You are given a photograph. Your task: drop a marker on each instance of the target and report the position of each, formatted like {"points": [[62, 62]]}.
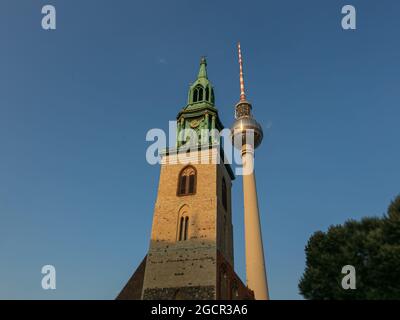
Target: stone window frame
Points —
{"points": [[182, 227], [186, 173]]}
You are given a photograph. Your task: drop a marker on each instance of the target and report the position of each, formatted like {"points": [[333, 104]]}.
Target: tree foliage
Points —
{"points": [[371, 245]]}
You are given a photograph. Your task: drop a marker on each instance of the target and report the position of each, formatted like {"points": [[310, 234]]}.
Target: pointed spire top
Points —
{"points": [[242, 91], [203, 68], [201, 90]]}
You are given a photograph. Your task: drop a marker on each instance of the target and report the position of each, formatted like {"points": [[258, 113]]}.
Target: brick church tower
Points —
{"points": [[191, 247]]}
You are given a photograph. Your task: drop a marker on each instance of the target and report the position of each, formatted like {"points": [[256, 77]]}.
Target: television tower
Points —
{"points": [[247, 135]]}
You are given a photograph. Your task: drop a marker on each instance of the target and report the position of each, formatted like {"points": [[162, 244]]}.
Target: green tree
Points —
{"points": [[371, 245]]}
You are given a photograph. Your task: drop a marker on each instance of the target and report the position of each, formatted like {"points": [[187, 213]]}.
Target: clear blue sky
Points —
{"points": [[76, 103]]}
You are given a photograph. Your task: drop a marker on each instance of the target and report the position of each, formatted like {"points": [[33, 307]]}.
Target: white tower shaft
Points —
{"points": [[255, 265], [246, 125]]}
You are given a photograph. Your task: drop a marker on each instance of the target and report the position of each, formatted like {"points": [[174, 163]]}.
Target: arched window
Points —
{"points": [[198, 94], [181, 223], [224, 195], [183, 233], [207, 94], [186, 235], [195, 95], [187, 181]]}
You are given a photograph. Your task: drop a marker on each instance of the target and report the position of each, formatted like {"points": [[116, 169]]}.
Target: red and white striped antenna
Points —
{"points": [[242, 91]]}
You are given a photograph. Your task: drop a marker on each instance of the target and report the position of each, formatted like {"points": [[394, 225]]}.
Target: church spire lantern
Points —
{"points": [[201, 91], [200, 111]]}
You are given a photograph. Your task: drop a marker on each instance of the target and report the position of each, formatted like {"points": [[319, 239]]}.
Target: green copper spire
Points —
{"points": [[198, 122], [200, 112], [203, 68], [201, 91]]}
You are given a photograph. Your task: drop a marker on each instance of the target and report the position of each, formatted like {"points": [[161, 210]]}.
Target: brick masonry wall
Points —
{"points": [[173, 263], [189, 267], [230, 286], [181, 293]]}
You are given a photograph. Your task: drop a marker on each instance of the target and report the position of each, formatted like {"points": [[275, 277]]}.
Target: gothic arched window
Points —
{"points": [[198, 94], [224, 195], [186, 232], [195, 95], [181, 223], [187, 181], [183, 231], [207, 94]]}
